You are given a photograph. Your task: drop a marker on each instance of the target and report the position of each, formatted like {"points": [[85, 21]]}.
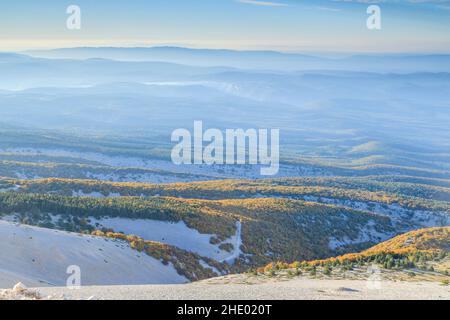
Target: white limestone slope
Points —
{"points": [[40, 257], [175, 234]]}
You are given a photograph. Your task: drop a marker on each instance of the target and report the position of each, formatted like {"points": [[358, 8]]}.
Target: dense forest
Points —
{"points": [[420, 250], [412, 196], [271, 228]]}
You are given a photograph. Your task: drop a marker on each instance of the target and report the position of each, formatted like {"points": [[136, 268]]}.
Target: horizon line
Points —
{"points": [[206, 48]]}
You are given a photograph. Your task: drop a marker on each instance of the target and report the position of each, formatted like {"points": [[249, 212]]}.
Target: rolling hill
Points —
{"points": [[424, 251], [269, 228]]}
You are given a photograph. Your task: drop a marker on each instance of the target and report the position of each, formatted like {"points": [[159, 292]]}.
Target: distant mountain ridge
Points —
{"points": [[269, 60]]}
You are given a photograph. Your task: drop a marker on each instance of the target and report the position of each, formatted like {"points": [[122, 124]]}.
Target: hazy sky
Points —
{"points": [[294, 25]]}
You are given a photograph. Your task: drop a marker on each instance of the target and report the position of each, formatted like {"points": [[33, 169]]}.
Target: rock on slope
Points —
{"points": [[40, 257]]}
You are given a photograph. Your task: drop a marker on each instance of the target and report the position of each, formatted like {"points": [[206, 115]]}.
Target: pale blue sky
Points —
{"points": [[290, 25]]}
